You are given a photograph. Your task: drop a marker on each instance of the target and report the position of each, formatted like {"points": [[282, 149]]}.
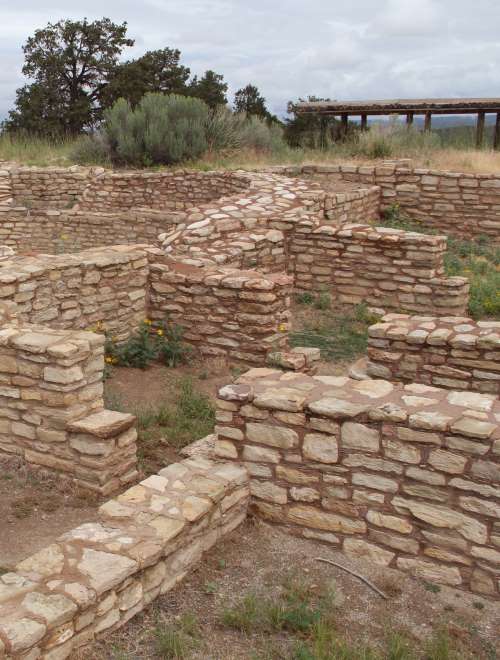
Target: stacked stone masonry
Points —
{"points": [[406, 476], [52, 409], [107, 285], [226, 312], [452, 352], [96, 577], [465, 205]]}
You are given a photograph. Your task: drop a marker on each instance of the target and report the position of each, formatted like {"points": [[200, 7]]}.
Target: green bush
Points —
{"points": [[160, 130], [223, 129], [91, 150], [147, 344]]}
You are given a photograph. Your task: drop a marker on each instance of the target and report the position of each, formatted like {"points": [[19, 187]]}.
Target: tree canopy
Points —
{"points": [[210, 88], [70, 64]]}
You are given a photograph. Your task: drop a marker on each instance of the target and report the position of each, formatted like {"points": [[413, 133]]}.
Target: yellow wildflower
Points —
{"points": [[282, 327], [147, 321], [109, 360], [159, 333]]}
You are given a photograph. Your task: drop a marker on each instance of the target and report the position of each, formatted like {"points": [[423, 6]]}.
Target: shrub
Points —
{"points": [[160, 130], [147, 344], [223, 129], [91, 150]]}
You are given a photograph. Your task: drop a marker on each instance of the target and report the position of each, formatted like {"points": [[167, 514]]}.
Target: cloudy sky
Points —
{"points": [[339, 49]]}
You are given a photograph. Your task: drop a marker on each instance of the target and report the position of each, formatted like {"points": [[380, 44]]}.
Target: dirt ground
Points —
{"points": [[256, 558], [34, 511]]}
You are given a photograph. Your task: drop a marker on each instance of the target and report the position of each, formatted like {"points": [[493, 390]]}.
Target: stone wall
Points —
{"points": [[96, 577], [404, 476], [59, 231], [465, 205], [453, 352], [49, 187], [387, 268], [172, 190], [5, 186], [53, 417], [353, 206], [107, 285], [226, 312]]}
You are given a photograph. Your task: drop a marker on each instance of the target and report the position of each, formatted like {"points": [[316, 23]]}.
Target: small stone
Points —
{"points": [[359, 436], [320, 447], [365, 550]]}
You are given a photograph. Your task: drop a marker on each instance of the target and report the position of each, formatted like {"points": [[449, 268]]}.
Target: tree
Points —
{"points": [[311, 131], [70, 63], [249, 100], [211, 88], [158, 71]]}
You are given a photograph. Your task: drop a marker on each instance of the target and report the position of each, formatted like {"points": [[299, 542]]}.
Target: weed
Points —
{"points": [[176, 642], [433, 588], [341, 335], [478, 605], [210, 588], [164, 343]]}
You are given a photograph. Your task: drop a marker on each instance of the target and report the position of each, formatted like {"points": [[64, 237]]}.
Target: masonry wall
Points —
{"points": [[106, 286], [56, 231], [96, 577], [5, 186], [465, 205], [452, 352], [49, 187], [387, 268], [53, 417], [403, 476], [353, 206], [173, 190], [226, 312]]}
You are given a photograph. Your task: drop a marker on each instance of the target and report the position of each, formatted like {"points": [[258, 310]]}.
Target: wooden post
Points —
{"points": [[344, 119], [428, 121], [479, 130], [409, 119], [364, 122], [496, 135]]}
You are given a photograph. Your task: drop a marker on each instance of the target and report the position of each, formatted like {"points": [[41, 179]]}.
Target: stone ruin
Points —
{"points": [[401, 467]]}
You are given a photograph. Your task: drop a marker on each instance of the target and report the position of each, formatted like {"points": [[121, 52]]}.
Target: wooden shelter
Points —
{"points": [[410, 108]]}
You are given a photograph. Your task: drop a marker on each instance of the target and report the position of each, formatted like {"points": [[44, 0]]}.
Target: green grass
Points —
{"points": [[341, 335], [177, 641], [477, 260], [31, 150], [303, 620], [190, 417]]}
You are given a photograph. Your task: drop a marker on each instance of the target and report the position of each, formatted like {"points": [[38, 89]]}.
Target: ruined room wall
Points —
{"points": [[403, 476], [106, 286], [386, 268], [453, 352], [465, 205], [59, 231], [95, 578], [53, 417], [225, 312]]}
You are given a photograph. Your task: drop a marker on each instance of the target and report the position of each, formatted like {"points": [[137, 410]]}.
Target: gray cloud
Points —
{"points": [[290, 49]]}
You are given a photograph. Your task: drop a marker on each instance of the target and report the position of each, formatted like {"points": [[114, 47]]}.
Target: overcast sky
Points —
{"points": [[341, 49]]}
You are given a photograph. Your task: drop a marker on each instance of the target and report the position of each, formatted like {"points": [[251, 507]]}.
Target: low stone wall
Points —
{"points": [[107, 285], [5, 186], [459, 204], [452, 352], [353, 206], [96, 577], [174, 190], [387, 268], [49, 187], [404, 476], [53, 416], [67, 231], [240, 315]]}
